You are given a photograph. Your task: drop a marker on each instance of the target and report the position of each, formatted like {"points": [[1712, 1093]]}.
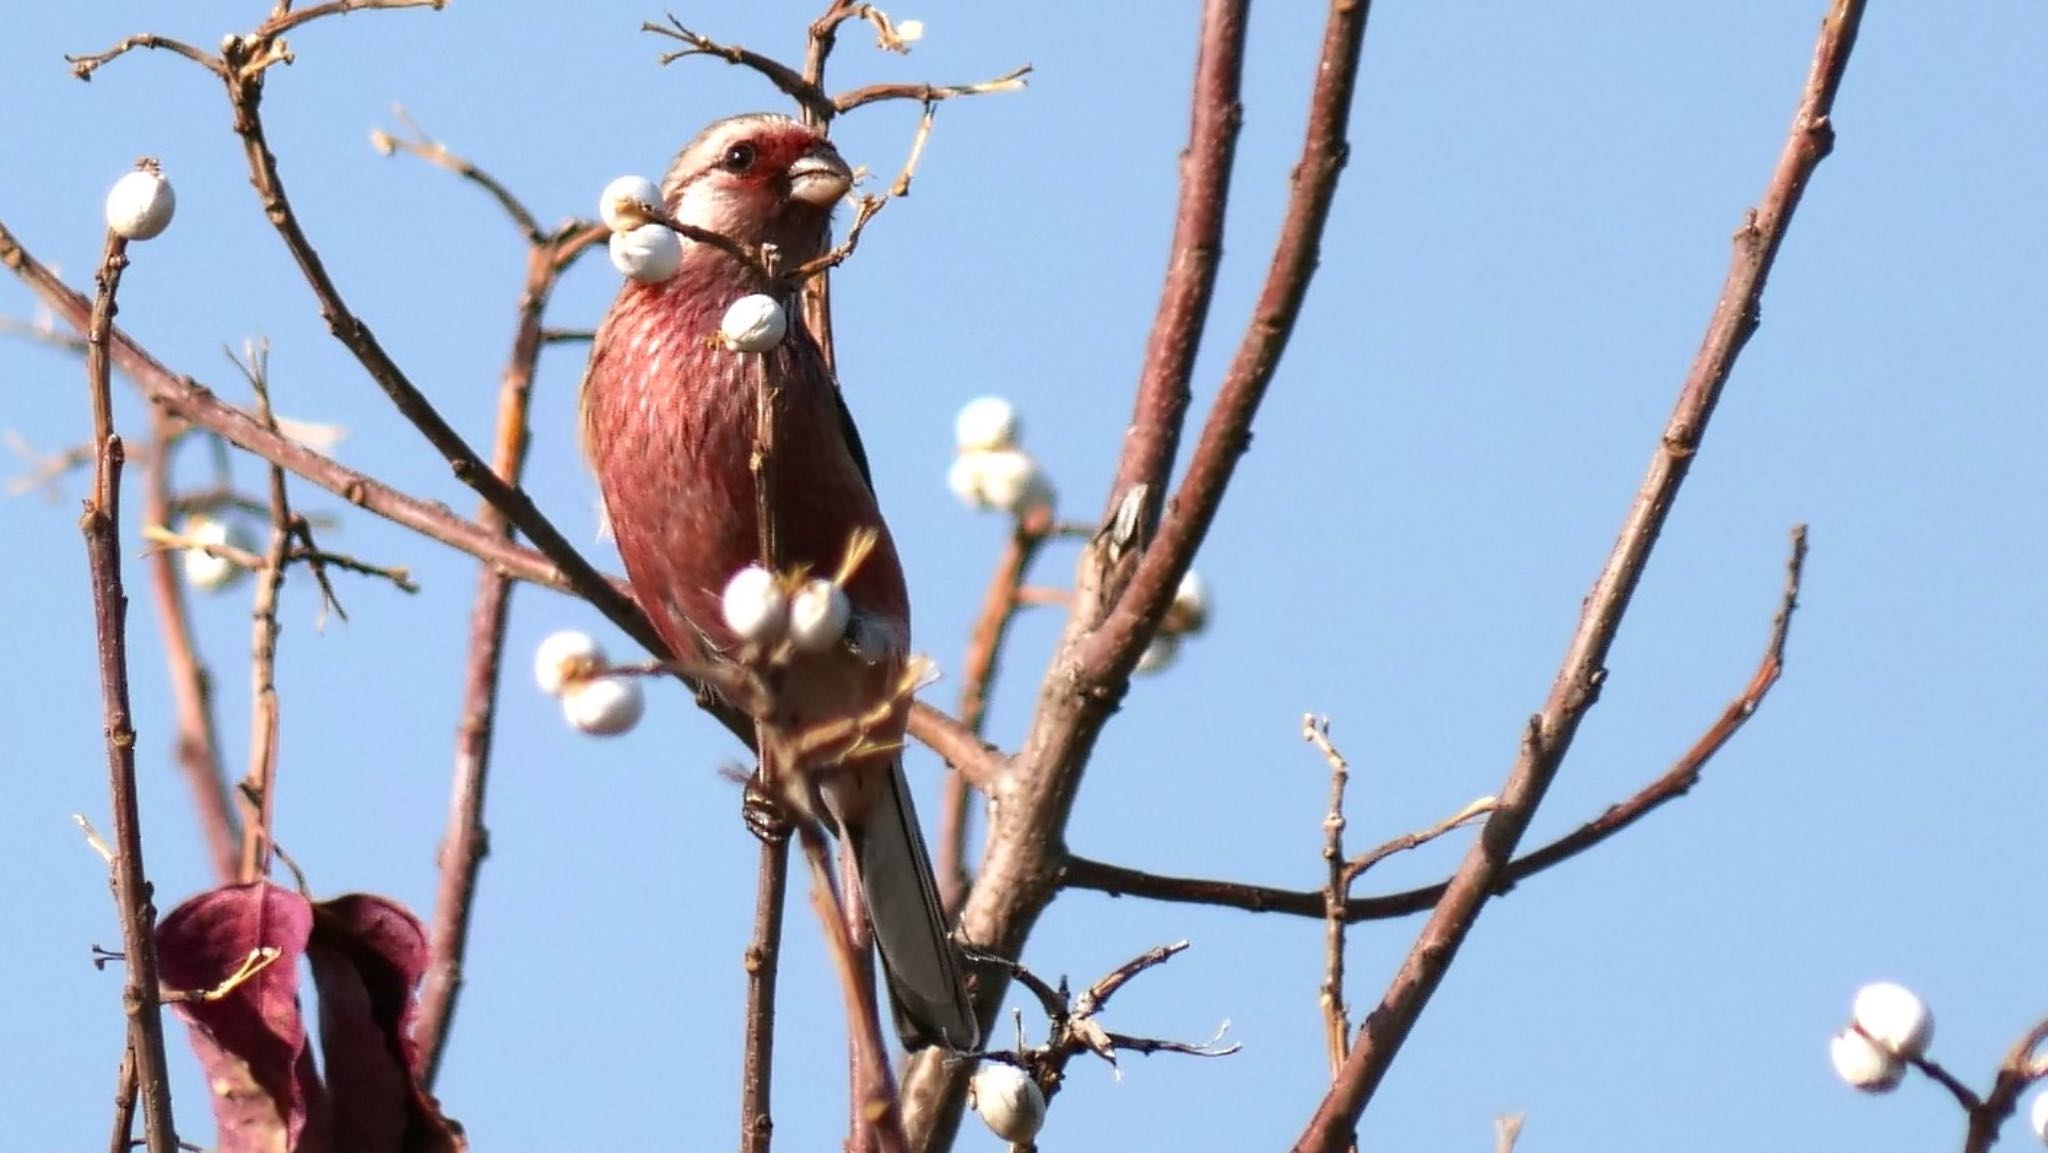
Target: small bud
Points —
{"points": [[1009, 1101], [1863, 1065], [1189, 612], [624, 202], [2037, 1114], [140, 204], [754, 323], [1894, 1018], [754, 605], [649, 254], [1008, 480], [1159, 654], [565, 658], [604, 706], [207, 572], [986, 423], [818, 616]]}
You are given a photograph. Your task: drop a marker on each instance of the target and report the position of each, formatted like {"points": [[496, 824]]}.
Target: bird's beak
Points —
{"points": [[819, 177]]}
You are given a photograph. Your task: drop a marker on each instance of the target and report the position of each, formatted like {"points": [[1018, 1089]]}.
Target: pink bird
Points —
{"points": [[669, 424]]}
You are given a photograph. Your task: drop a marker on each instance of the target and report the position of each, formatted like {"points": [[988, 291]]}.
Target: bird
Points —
{"points": [[668, 424]]}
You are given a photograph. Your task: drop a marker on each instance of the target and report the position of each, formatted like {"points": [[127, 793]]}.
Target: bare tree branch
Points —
{"points": [[101, 526], [1550, 732], [1091, 669]]}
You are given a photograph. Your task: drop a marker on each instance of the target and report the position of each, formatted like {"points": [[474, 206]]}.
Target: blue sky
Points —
{"points": [[1523, 255]]}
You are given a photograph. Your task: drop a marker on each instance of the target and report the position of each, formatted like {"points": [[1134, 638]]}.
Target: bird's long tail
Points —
{"points": [[919, 960]]}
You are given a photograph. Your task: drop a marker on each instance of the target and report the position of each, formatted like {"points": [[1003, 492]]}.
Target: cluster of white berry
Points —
{"points": [[649, 251], [764, 609], [1010, 1103], [991, 471], [140, 205], [1186, 616], [1890, 1028], [642, 247], [572, 666]]}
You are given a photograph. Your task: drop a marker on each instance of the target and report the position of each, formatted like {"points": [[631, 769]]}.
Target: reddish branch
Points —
{"points": [[1550, 732], [1673, 783], [978, 669], [1205, 166], [101, 526], [198, 745], [1091, 670], [466, 841]]}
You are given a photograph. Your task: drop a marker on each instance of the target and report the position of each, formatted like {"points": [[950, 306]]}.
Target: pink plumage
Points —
{"points": [[669, 423]]}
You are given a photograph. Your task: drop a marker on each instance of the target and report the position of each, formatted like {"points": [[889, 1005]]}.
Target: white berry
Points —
{"points": [[1189, 612], [564, 658], [649, 254], [1894, 1018], [755, 607], [986, 423], [2038, 1115], [818, 615], [1007, 480], [909, 31], [604, 706], [1009, 1101], [207, 572], [1863, 1065], [140, 204], [754, 323], [1159, 654], [624, 202]]}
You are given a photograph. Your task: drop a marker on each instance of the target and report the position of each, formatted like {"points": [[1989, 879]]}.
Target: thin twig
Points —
{"points": [[286, 20], [793, 84], [929, 94], [1336, 1014], [1085, 873], [977, 674], [436, 153], [125, 1089], [260, 785], [763, 961], [101, 527], [1549, 734]]}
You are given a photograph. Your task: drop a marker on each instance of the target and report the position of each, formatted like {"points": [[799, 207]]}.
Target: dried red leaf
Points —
{"points": [[250, 1038], [368, 954]]}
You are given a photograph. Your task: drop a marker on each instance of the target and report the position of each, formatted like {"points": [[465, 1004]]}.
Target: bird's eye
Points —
{"points": [[738, 158]]}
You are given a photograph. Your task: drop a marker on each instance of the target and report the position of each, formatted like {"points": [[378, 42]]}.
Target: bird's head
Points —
{"points": [[760, 178]]}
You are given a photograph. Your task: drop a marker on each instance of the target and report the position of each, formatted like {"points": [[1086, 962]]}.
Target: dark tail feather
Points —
{"points": [[919, 959]]}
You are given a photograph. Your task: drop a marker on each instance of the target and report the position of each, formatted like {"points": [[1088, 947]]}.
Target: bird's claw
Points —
{"points": [[765, 815]]}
